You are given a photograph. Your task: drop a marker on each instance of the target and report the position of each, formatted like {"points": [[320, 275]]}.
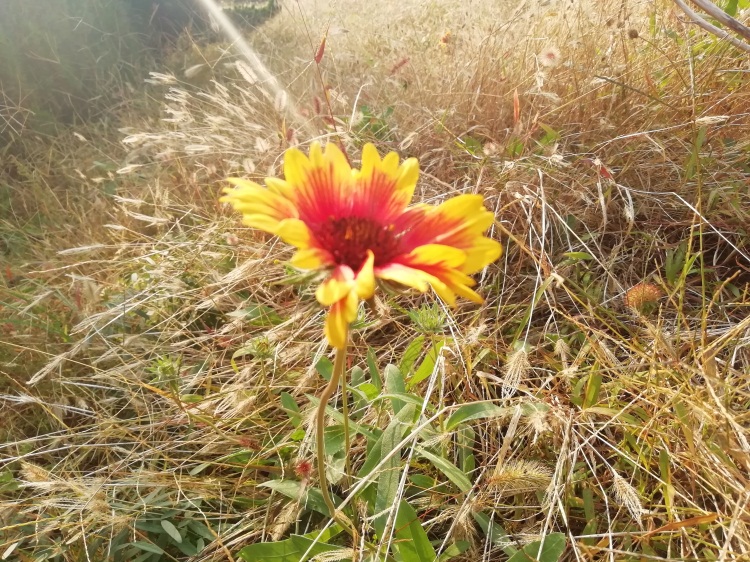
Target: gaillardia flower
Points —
{"points": [[358, 225]]}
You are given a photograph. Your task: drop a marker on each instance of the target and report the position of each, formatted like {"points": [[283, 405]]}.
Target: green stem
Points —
{"points": [[339, 365], [347, 442]]}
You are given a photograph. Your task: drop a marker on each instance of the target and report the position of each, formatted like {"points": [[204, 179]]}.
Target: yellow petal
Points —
{"points": [[339, 317], [465, 292], [370, 159], [390, 164], [365, 282], [341, 166], [404, 275], [463, 206], [261, 222], [339, 284], [443, 291], [432, 254], [483, 252], [250, 198], [294, 232], [280, 187], [408, 175], [311, 258], [297, 165], [240, 184]]}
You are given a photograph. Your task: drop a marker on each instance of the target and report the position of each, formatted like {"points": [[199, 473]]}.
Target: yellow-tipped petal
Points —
{"points": [[443, 291], [339, 317], [261, 222], [340, 164], [404, 275], [280, 187], [294, 232], [365, 282], [311, 258], [370, 159], [339, 284], [297, 166], [408, 175], [431, 254], [462, 206], [465, 292], [389, 165], [483, 252], [249, 198], [316, 155]]}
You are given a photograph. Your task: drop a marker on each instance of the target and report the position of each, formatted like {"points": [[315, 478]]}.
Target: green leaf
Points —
{"points": [[372, 366], [7, 482], [456, 549], [422, 481], [147, 546], [589, 513], [495, 533], [592, 390], [310, 497], [289, 404], [394, 384], [465, 448], [731, 9], [357, 376], [324, 368], [377, 453], [389, 473], [369, 390], [578, 256], [549, 549], [412, 544], [471, 145], [450, 470], [258, 315], [171, 530], [550, 135], [334, 439], [292, 549], [411, 354], [201, 530], [427, 366], [405, 397], [515, 148], [474, 411]]}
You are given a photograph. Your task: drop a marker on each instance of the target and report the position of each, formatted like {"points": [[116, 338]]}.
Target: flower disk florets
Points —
{"points": [[348, 240]]}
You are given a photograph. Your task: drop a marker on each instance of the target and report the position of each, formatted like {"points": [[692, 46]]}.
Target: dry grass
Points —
{"points": [[159, 361]]}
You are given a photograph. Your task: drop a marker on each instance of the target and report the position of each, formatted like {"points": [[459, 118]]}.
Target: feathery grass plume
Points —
{"points": [[517, 476], [335, 555], [38, 476], [550, 57], [627, 496], [285, 519], [516, 370], [641, 296], [562, 349], [537, 420]]}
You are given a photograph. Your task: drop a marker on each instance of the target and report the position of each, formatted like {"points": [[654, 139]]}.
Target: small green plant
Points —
{"points": [[373, 125]]}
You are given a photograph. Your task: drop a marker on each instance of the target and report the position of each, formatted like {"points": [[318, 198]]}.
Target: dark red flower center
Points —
{"points": [[349, 238]]}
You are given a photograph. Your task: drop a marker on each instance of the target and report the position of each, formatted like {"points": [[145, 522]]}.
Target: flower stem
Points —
{"points": [[347, 441], [338, 370]]}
